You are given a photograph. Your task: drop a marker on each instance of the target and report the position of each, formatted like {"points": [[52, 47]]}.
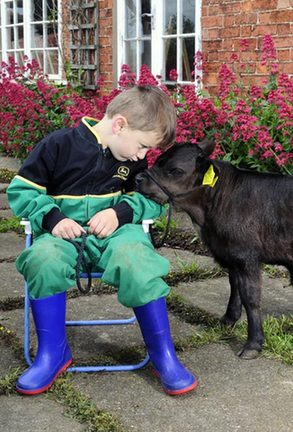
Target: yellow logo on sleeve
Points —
{"points": [[122, 172]]}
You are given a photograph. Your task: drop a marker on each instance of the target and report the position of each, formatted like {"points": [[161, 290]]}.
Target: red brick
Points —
{"points": [[284, 55], [212, 45], [230, 32], [214, 21], [284, 29], [284, 42], [261, 30], [287, 68], [280, 16], [246, 31]]}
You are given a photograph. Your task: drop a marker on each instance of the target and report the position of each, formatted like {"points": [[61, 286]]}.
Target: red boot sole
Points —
{"points": [[43, 389], [176, 392]]}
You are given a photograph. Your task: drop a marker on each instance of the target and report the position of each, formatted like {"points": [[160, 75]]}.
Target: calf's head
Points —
{"points": [[177, 171]]}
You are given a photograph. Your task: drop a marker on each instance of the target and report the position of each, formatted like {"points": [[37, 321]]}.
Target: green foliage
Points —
{"points": [[6, 175], [82, 408], [11, 224]]}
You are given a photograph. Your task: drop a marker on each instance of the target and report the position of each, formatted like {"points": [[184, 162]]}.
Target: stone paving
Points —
{"points": [[233, 395]]}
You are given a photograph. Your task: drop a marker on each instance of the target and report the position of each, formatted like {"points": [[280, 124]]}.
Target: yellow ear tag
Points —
{"points": [[210, 178]]}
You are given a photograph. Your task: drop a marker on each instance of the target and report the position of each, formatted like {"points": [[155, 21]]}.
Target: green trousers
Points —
{"points": [[127, 259]]}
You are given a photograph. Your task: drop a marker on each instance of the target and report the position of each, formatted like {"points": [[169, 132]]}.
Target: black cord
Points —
{"points": [[82, 260], [160, 243]]}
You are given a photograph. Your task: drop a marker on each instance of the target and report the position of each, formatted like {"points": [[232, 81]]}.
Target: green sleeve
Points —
{"points": [[29, 200], [143, 208]]}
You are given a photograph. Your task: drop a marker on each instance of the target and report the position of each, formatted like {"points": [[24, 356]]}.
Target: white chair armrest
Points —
{"points": [[146, 225], [27, 226]]}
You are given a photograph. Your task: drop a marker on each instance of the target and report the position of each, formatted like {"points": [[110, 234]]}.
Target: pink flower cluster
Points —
{"points": [[251, 125]]}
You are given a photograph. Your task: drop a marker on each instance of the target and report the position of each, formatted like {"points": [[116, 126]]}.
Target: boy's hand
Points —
{"points": [[67, 229], [103, 223]]}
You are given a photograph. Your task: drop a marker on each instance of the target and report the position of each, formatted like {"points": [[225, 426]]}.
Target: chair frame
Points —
{"points": [[127, 321]]}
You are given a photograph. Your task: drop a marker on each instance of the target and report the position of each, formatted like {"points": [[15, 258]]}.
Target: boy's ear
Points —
{"points": [[207, 146], [119, 122]]}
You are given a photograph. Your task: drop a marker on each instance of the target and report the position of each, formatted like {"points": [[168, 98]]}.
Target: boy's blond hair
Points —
{"points": [[146, 108]]}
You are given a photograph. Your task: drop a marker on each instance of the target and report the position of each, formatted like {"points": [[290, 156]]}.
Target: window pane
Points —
{"points": [[51, 35], [37, 36], [19, 37], [146, 53], [51, 10], [188, 9], [9, 13], [38, 56], [130, 58], [19, 12], [188, 47], [10, 38], [146, 22], [170, 56], [19, 57], [130, 18], [52, 62], [37, 10], [170, 17]]}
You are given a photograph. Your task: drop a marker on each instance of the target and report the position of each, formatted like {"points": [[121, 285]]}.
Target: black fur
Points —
{"points": [[246, 219]]}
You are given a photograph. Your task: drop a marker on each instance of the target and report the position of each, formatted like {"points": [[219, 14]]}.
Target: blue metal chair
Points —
{"points": [[107, 322]]}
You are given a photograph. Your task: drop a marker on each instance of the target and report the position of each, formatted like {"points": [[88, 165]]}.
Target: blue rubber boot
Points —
{"points": [[154, 325], [53, 355]]}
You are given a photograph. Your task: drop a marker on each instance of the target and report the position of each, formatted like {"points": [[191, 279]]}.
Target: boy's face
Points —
{"points": [[131, 144]]}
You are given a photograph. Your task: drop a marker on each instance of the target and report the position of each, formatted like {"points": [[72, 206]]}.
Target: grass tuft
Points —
{"points": [[11, 224], [81, 408], [6, 175]]}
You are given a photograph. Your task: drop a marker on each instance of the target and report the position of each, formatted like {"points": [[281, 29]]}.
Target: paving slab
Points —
{"points": [[8, 360], [11, 282], [179, 259], [233, 395], [12, 164], [3, 187], [6, 214], [3, 202], [183, 221], [35, 414], [212, 295], [11, 244]]}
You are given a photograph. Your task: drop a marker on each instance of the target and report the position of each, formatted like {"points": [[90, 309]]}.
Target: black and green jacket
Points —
{"points": [[69, 175]]}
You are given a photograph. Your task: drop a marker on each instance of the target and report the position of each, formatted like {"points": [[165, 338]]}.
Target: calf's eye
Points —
{"points": [[176, 172]]}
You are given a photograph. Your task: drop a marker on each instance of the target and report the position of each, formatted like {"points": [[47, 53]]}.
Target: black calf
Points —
{"points": [[245, 218]]}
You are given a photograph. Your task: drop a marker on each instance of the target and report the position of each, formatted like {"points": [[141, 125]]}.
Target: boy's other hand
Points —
{"points": [[67, 229], [103, 223]]}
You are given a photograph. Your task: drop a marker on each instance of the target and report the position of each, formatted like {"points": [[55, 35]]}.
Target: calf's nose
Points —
{"points": [[139, 178]]}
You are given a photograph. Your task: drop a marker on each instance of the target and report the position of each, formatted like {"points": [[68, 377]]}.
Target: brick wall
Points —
{"points": [[226, 22]]}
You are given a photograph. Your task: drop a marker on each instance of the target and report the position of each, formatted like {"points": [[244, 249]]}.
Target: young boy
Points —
{"points": [[76, 181]]}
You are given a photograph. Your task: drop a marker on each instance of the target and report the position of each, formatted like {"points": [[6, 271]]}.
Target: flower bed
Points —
{"points": [[252, 125]]}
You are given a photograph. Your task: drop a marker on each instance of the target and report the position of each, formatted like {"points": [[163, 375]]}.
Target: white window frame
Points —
{"points": [[157, 38], [28, 48]]}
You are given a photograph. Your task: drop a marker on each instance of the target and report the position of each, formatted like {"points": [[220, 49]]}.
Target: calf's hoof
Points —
{"points": [[228, 321], [248, 353]]}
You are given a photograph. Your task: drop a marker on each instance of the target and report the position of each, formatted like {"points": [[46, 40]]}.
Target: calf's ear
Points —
{"points": [[207, 146]]}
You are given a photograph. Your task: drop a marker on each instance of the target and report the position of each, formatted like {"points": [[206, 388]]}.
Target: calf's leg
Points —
{"points": [[234, 307], [249, 286]]}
